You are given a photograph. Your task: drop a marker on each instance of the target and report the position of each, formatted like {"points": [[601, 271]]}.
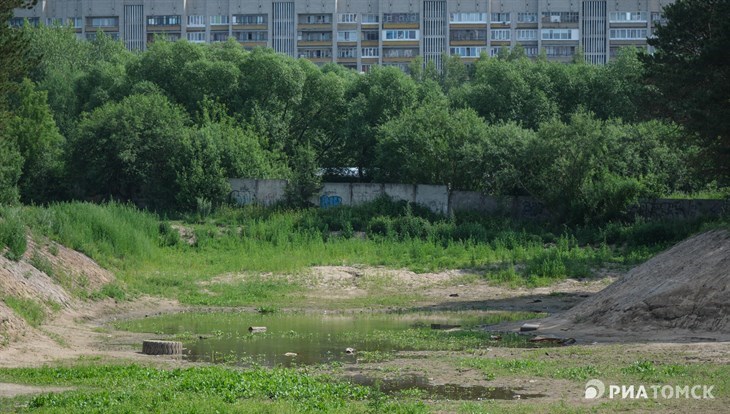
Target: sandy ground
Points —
{"points": [[85, 329]]}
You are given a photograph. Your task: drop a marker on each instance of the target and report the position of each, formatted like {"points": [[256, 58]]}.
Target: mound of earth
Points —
{"points": [[50, 275], [683, 291]]}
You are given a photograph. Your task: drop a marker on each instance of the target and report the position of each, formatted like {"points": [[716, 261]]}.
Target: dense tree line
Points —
{"points": [[171, 124]]}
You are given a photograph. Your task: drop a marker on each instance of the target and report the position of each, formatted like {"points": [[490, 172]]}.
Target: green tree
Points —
{"points": [[130, 150], [690, 72], [375, 98], [15, 63], [426, 144], [506, 90], [34, 133], [11, 164], [305, 180], [216, 151], [495, 159], [575, 170]]}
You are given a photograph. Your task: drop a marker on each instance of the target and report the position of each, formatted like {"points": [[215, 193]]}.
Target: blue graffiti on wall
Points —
{"points": [[327, 201]]}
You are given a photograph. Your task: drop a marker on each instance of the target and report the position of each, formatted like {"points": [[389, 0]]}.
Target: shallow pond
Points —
{"points": [[408, 383], [317, 338]]}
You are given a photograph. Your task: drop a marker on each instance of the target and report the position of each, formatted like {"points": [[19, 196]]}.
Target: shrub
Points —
{"points": [[12, 233], [411, 227], [381, 226]]}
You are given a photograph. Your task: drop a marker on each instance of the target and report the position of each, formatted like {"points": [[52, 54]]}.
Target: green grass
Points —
{"points": [[12, 233], [135, 388], [28, 309], [149, 258], [579, 364]]}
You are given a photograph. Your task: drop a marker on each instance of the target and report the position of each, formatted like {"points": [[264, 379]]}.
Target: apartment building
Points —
{"points": [[361, 33]]}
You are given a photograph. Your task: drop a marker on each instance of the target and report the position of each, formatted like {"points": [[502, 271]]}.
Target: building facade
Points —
{"points": [[361, 33]]}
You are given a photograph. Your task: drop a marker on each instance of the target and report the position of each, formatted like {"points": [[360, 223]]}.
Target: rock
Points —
{"points": [[349, 351], [529, 327], [256, 329], [290, 354], [454, 295]]}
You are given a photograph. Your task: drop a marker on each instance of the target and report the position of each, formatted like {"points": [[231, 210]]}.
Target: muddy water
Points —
{"points": [[443, 391], [306, 339], [320, 338]]}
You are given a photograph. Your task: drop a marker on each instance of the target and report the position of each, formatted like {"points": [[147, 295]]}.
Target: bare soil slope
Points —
{"points": [[683, 293], [48, 275]]}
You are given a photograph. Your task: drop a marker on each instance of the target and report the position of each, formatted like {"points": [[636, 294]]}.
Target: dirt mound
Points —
{"points": [[685, 289], [50, 275]]}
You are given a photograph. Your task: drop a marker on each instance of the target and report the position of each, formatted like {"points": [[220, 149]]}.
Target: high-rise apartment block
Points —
{"points": [[361, 33]]}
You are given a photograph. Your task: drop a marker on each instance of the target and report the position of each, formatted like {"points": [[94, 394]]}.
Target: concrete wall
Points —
{"points": [[437, 199], [672, 209], [251, 191]]}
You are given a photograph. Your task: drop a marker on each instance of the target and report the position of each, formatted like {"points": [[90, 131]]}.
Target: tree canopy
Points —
{"points": [[171, 124], [690, 73]]}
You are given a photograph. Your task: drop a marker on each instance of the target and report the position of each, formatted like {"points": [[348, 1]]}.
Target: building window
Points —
{"points": [[54, 21], [400, 53], [251, 36], [500, 34], [559, 51], [526, 17], [462, 34], [112, 35], [467, 51], [503, 18], [347, 18], [315, 36], [218, 36], [494, 50], [628, 34], [370, 52], [402, 66], [196, 37], [219, 20], [315, 53], [400, 18], [370, 18], [103, 21], [372, 35], [627, 17], [400, 34], [658, 18], [531, 51], [20, 21], [347, 36], [76, 22], [527, 34], [468, 18], [560, 17], [196, 21], [249, 19], [366, 68], [346, 52], [559, 34], [315, 19], [163, 20]]}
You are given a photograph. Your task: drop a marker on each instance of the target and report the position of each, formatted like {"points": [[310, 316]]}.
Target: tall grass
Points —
{"points": [[111, 233], [150, 257], [12, 232]]}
